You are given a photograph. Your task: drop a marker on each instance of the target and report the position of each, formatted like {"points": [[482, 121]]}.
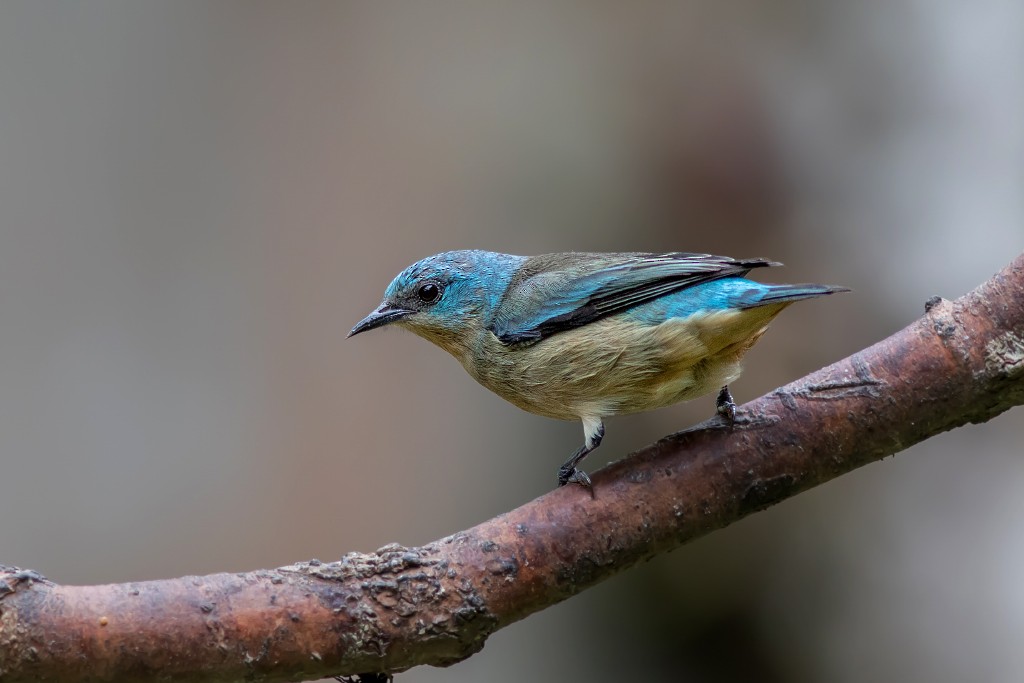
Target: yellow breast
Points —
{"points": [[618, 365]]}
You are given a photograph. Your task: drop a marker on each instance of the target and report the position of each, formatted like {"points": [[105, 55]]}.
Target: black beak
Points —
{"points": [[382, 316]]}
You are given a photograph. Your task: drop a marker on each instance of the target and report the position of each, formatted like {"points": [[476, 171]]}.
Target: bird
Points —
{"points": [[588, 335]]}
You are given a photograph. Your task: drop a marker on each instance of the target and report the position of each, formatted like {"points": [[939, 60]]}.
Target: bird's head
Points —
{"points": [[446, 298]]}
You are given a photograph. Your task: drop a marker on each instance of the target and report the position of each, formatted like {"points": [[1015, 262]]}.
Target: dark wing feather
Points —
{"points": [[560, 292]]}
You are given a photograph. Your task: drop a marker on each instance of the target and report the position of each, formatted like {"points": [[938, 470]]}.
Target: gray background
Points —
{"points": [[198, 200]]}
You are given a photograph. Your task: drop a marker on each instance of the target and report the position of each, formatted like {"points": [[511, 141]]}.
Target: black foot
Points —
{"points": [[568, 472], [574, 476], [725, 405]]}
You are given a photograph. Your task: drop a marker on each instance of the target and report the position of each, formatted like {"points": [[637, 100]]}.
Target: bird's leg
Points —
{"points": [[568, 472], [593, 430], [725, 406]]}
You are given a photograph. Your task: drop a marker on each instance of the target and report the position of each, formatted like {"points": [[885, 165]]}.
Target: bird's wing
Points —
{"points": [[559, 292]]}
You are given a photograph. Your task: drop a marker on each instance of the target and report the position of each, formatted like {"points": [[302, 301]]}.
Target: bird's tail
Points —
{"points": [[777, 294]]}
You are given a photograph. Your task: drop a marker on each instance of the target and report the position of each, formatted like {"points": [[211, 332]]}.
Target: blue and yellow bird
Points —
{"points": [[586, 336]]}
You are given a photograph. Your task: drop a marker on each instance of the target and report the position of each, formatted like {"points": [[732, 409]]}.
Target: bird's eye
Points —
{"points": [[429, 293]]}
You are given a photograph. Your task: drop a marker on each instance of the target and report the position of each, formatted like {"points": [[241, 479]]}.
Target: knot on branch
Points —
{"points": [[11, 578], [397, 590]]}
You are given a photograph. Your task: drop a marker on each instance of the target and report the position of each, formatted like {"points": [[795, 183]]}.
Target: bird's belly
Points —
{"points": [[617, 366]]}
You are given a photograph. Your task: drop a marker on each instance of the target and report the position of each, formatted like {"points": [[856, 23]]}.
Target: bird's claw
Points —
{"points": [[582, 478], [575, 476], [725, 406]]}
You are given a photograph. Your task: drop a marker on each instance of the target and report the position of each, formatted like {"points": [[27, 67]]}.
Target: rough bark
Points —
{"points": [[436, 604]]}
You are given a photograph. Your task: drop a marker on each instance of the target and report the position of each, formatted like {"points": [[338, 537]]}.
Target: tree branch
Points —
{"points": [[399, 607]]}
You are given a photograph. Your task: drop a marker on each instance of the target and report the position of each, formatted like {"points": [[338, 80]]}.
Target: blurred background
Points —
{"points": [[198, 200]]}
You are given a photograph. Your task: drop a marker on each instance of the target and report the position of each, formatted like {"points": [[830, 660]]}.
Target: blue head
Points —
{"points": [[446, 298]]}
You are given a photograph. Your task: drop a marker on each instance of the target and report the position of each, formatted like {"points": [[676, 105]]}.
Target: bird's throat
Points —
{"points": [[452, 342]]}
